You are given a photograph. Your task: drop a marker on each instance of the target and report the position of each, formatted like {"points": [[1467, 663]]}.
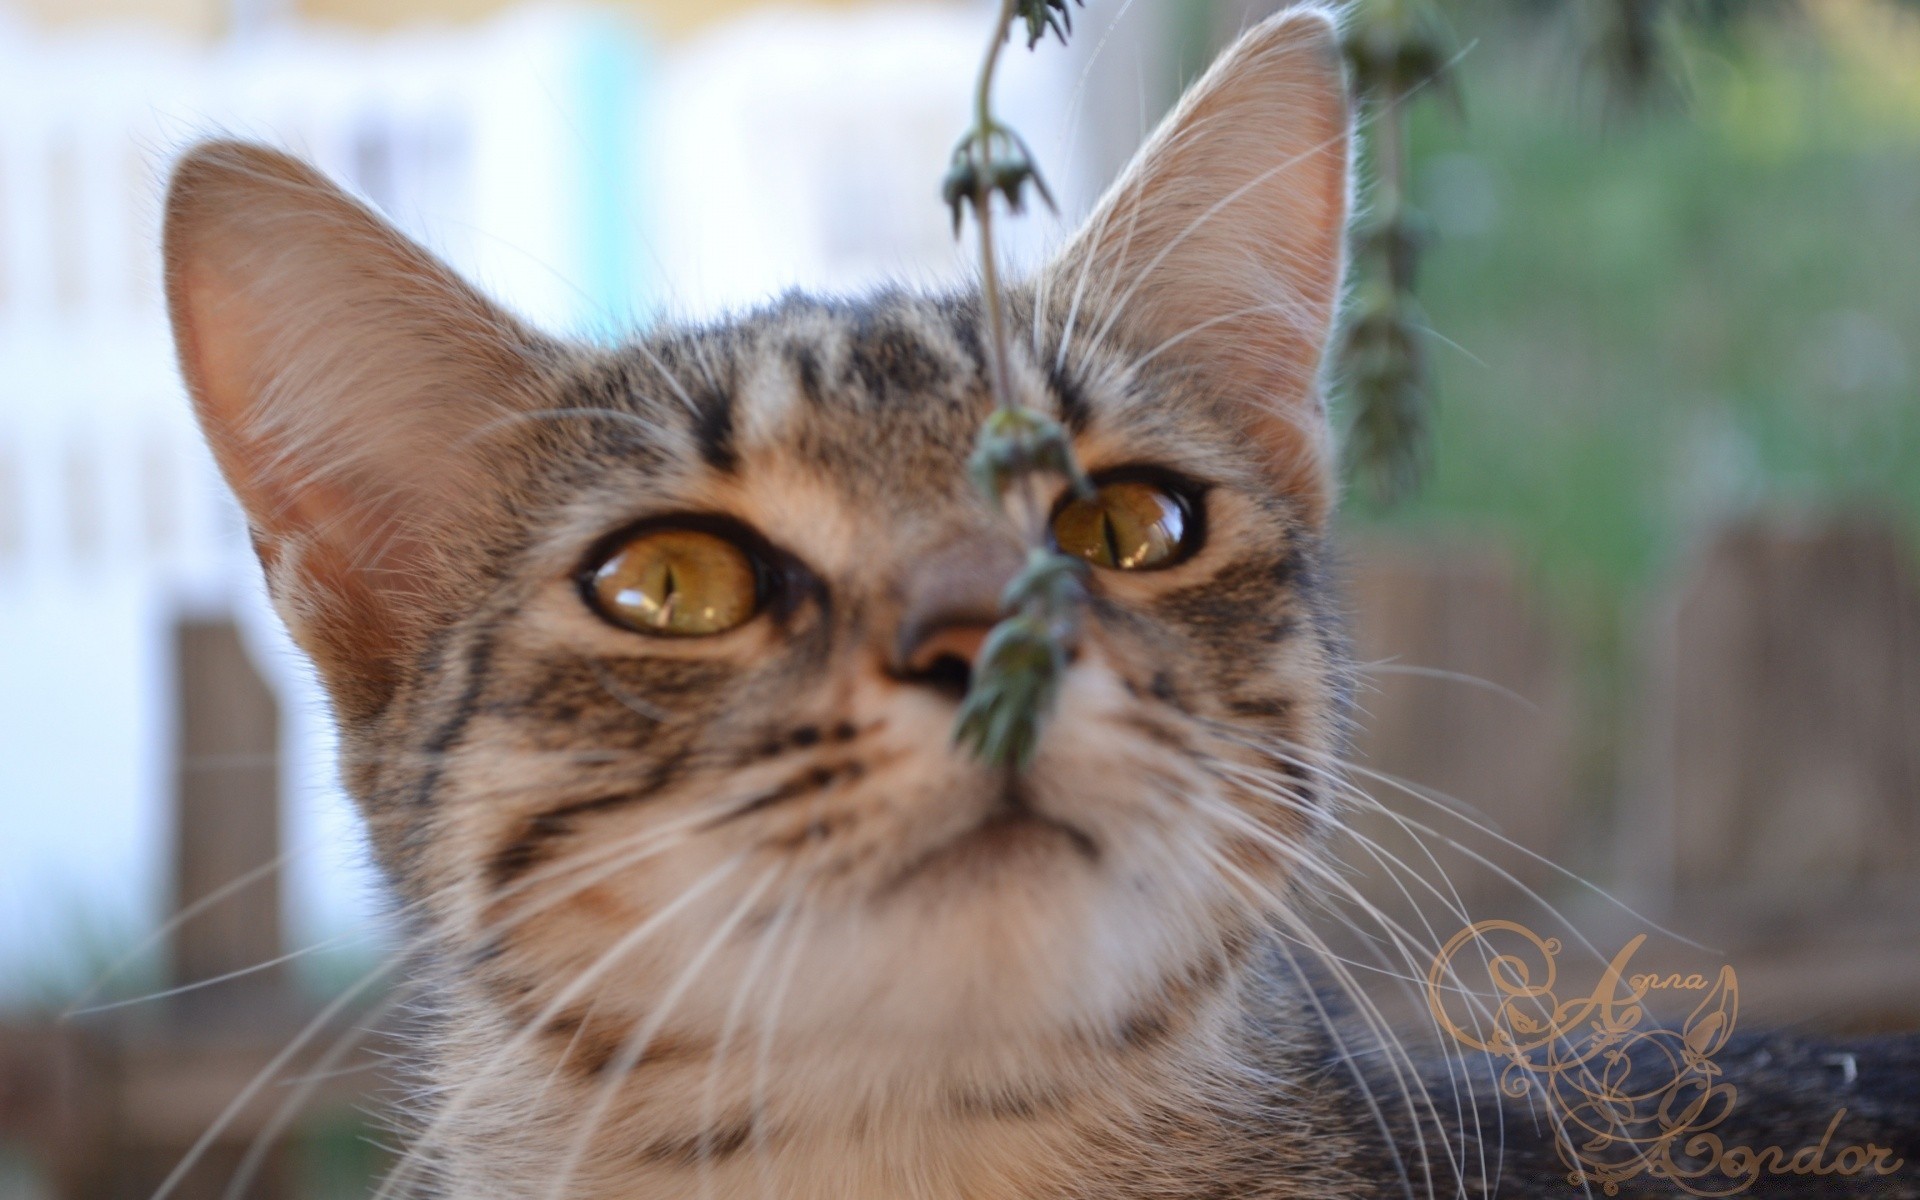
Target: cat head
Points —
{"points": [[646, 659]]}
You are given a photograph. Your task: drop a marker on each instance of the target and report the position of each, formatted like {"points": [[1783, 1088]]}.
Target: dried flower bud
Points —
{"points": [[1051, 583], [1017, 674], [1015, 683], [1044, 15], [962, 182], [1008, 169], [1393, 244], [1397, 46], [1016, 442], [1385, 369]]}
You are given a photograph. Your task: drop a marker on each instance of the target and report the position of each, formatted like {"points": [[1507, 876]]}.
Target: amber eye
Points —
{"points": [[1128, 525], [676, 583]]}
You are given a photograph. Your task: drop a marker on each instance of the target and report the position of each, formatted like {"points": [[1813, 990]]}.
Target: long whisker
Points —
{"points": [[736, 1009], [635, 1046], [1380, 1029], [386, 965], [1471, 1107], [603, 861], [1334, 774], [1346, 1056], [78, 1006], [1378, 1026], [269, 1135], [763, 1051], [331, 943], [1282, 792], [1388, 666], [464, 1096], [320, 1020], [1413, 826], [233, 886], [1476, 1007]]}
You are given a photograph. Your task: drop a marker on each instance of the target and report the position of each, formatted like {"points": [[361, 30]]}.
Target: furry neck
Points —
{"points": [[1159, 1109]]}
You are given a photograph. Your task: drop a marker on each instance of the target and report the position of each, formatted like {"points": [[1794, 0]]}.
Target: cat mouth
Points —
{"points": [[1004, 830], [1014, 829]]}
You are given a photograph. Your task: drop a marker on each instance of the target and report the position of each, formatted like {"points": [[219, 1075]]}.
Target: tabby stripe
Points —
{"points": [[528, 847], [596, 1049], [806, 369], [1180, 991], [804, 784], [1075, 413], [713, 431], [712, 1146], [479, 663]]}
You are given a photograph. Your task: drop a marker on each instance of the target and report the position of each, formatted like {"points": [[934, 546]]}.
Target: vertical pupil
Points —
{"points": [[678, 581], [1112, 537], [668, 592], [1131, 525]]}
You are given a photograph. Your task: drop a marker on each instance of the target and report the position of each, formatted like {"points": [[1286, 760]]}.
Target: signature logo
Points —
{"points": [[1629, 1096]]}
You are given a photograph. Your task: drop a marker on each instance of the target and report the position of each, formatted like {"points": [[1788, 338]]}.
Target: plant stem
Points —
{"points": [[1388, 157], [983, 130]]}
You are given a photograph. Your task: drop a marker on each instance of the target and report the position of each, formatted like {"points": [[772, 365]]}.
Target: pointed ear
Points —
{"points": [[346, 381], [1221, 247]]}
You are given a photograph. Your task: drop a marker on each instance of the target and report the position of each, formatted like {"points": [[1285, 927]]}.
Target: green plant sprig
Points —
{"points": [[1017, 676], [1394, 49]]}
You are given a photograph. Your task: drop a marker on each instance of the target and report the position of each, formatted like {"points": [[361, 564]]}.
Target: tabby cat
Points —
{"points": [[646, 662]]}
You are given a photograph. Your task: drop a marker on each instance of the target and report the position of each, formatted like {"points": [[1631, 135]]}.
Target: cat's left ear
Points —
{"points": [[1221, 246], [353, 389]]}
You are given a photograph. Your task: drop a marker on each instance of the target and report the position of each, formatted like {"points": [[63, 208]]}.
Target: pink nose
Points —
{"points": [[960, 643], [952, 602]]}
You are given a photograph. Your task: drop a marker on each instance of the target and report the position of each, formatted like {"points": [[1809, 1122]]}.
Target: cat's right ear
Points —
{"points": [[347, 381], [1219, 249]]}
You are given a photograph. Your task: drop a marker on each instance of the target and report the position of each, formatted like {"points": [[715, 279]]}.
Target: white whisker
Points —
{"points": [[464, 1096], [634, 1047]]}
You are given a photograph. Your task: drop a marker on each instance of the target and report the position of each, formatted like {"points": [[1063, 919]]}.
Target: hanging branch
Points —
{"points": [[1017, 676], [1394, 48], [1635, 45]]}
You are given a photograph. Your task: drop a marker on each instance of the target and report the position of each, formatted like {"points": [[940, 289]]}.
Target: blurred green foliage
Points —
{"points": [[1646, 316], [1642, 318]]}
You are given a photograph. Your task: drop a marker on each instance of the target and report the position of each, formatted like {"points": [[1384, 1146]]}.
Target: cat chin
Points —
{"points": [[1012, 943], [1013, 842]]}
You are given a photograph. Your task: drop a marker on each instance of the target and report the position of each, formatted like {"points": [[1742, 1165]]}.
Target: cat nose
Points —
{"points": [[952, 603], [943, 659]]}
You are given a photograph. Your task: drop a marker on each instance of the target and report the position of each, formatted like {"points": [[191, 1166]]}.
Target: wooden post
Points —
{"points": [[227, 843], [1789, 688], [1776, 812], [1465, 694], [226, 825]]}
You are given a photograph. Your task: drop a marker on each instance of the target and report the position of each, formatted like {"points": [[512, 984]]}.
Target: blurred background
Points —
{"points": [[1654, 615]]}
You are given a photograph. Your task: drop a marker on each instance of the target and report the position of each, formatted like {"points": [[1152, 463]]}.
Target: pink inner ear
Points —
{"points": [[343, 376], [1221, 247]]}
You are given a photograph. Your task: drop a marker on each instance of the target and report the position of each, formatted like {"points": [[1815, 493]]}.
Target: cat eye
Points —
{"points": [[676, 581], [1130, 523]]}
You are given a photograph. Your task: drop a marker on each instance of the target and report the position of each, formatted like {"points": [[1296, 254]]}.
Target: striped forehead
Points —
{"points": [[881, 400], [885, 392]]}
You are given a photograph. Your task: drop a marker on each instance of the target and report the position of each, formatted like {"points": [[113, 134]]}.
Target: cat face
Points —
{"points": [[647, 659], [803, 752]]}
